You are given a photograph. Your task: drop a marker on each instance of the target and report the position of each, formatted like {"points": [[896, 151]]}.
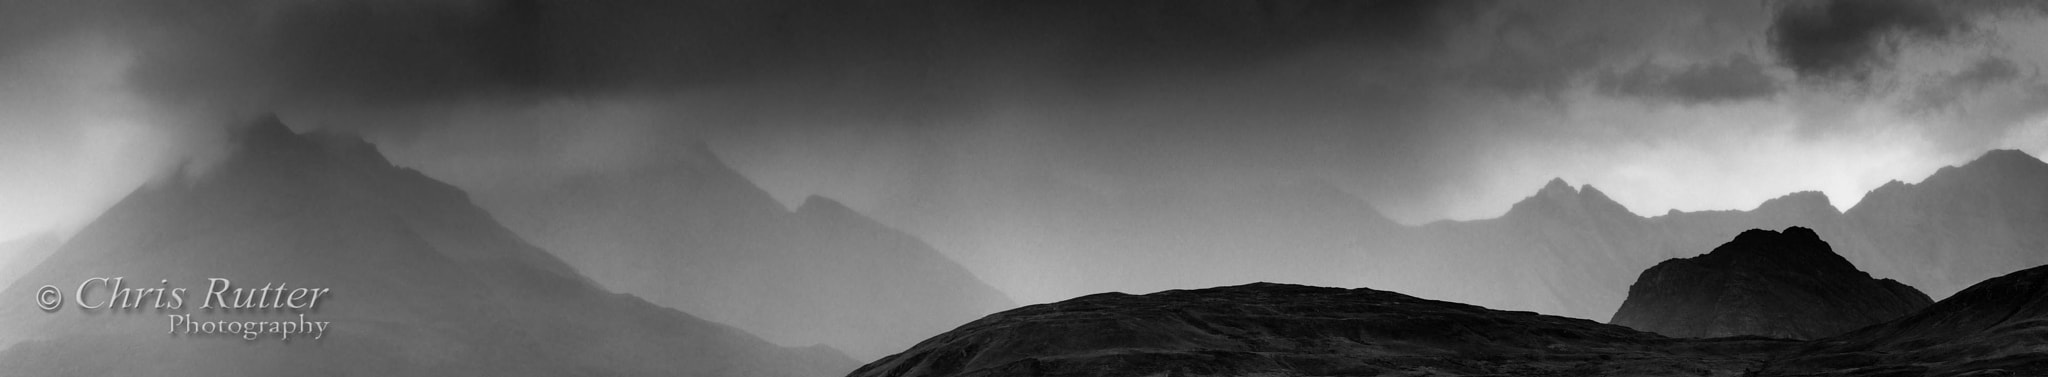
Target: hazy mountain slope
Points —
{"points": [[1785, 285], [1046, 238], [21, 254], [1573, 252], [695, 235], [1564, 250], [1276, 329], [424, 283], [1961, 225]]}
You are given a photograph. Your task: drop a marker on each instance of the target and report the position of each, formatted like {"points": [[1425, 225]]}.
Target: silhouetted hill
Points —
{"points": [[1278, 329], [423, 284], [1301, 330], [693, 234], [1785, 285], [1993, 328]]}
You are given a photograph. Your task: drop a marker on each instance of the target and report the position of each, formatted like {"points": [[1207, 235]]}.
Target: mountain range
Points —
{"points": [[693, 234], [1565, 250], [423, 283]]}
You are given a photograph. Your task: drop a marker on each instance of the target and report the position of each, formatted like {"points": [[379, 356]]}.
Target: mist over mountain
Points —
{"points": [[1956, 227], [693, 234], [423, 283], [1043, 238], [1778, 284], [25, 253], [1565, 250]]}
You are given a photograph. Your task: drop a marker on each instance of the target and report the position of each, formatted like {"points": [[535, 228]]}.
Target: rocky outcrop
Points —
{"points": [[1785, 285]]}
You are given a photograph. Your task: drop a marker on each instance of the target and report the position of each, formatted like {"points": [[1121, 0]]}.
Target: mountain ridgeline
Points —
{"points": [[1779, 284], [1566, 250], [1993, 328], [423, 283], [695, 235]]}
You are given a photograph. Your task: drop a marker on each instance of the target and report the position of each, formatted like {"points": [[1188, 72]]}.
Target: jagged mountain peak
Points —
{"points": [[1559, 199], [1807, 202], [267, 140], [1557, 186], [1589, 195]]}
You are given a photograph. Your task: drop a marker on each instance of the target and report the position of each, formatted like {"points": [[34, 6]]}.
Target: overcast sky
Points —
{"points": [[1427, 110]]}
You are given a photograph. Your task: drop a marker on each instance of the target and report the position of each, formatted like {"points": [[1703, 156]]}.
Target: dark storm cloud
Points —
{"points": [[265, 55], [1945, 90], [1846, 39], [1383, 92], [1990, 70], [1738, 78]]}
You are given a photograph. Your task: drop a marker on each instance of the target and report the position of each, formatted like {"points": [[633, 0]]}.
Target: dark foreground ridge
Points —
{"points": [[1995, 328], [1784, 285], [1283, 329]]}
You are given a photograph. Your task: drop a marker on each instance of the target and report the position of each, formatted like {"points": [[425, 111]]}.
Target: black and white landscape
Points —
{"points": [[1023, 188]]}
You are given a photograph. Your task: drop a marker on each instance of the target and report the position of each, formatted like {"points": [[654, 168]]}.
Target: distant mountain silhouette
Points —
{"points": [[1278, 329], [1045, 237], [1785, 285], [693, 234], [1961, 225], [1993, 328], [423, 283], [1564, 250]]}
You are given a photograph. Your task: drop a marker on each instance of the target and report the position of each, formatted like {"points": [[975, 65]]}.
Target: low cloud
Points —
{"points": [[1848, 39], [1738, 78]]}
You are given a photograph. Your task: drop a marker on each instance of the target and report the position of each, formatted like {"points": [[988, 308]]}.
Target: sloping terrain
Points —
{"points": [[423, 284], [1996, 328], [692, 234]]}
